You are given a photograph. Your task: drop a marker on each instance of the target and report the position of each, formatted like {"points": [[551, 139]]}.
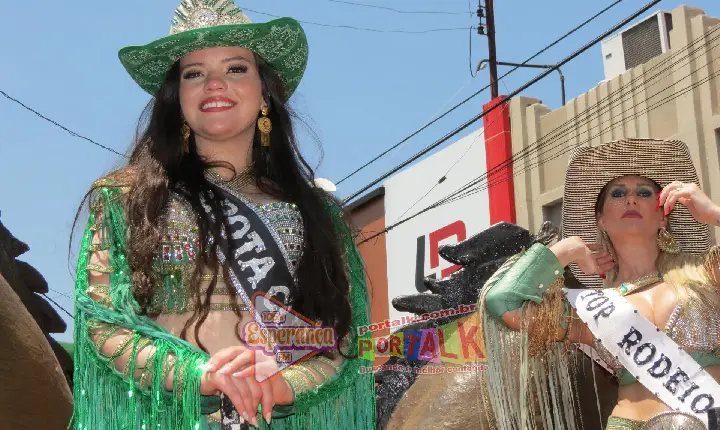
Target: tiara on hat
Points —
{"points": [[194, 14]]}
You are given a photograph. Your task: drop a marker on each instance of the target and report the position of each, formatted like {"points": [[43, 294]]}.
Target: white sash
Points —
{"points": [[649, 354]]}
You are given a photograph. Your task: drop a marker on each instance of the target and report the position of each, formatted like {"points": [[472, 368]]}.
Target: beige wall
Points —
{"points": [[606, 113]]}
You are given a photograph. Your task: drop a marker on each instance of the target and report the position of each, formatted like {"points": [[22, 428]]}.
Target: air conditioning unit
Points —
{"points": [[637, 45]]}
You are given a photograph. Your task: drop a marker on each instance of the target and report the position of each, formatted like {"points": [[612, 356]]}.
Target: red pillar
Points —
{"points": [[498, 149]]}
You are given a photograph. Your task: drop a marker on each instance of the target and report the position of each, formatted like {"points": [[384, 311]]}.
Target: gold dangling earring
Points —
{"points": [[265, 126], [666, 242], [607, 244], [185, 132]]}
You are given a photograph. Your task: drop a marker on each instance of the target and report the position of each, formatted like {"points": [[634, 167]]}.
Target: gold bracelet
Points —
{"points": [[316, 367], [329, 362], [168, 366], [308, 374], [179, 381], [120, 349], [297, 380], [95, 247], [99, 268], [143, 377], [138, 347], [108, 331], [98, 288]]}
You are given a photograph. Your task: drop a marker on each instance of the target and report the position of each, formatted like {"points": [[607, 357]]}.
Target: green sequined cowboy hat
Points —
{"points": [[201, 24]]}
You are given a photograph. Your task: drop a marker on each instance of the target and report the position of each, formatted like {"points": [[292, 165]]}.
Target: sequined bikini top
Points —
{"points": [[179, 244]]}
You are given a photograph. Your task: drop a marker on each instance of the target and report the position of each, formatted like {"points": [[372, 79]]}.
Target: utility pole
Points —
{"points": [[492, 57]]}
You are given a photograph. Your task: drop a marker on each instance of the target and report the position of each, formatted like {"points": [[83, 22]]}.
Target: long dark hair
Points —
{"points": [[158, 166]]}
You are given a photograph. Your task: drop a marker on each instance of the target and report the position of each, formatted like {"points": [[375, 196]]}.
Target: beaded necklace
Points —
{"points": [[238, 182], [628, 287]]}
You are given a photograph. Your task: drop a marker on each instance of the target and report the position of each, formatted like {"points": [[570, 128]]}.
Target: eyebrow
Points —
{"points": [[643, 184], [227, 60]]}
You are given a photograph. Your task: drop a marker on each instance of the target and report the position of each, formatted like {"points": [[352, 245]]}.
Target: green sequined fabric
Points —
{"points": [[179, 245], [106, 398]]}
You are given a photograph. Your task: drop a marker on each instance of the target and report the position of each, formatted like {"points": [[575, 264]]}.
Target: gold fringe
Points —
{"points": [[712, 264], [544, 323]]}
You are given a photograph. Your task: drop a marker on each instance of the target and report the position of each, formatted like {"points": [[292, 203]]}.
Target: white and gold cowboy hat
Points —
{"points": [[200, 24], [591, 168]]}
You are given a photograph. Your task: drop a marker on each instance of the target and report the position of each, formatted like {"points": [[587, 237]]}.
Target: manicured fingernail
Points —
{"points": [[657, 206], [245, 415], [209, 366], [237, 374], [268, 417], [225, 369], [602, 275], [254, 422]]}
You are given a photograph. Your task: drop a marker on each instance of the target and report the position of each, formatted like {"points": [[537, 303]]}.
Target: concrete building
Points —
{"points": [[674, 95]]}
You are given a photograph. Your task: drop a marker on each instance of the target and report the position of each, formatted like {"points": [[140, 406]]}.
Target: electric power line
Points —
{"points": [[415, 133], [443, 178], [398, 10], [468, 188], [462, 193], [507, 98], [67, 296], [570, 148], [351, 27], [58, 306], [561, 130], [4, 94]]}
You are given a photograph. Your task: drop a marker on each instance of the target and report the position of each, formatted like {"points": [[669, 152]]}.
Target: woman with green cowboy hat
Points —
{"points": [[211, 239], [635, 277]]}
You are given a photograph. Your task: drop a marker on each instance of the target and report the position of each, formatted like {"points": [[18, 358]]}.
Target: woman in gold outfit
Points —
{"points": [[636, 235]]}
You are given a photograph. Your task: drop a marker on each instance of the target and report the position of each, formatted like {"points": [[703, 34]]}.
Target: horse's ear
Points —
{"points": [[12, 245]]}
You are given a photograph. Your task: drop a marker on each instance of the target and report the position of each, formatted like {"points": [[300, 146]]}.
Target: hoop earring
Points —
{"points": [[666, 242], [265, 126], [185, 132]]}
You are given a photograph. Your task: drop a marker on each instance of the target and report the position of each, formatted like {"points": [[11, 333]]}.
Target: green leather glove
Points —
{"points": [[527, 279]]}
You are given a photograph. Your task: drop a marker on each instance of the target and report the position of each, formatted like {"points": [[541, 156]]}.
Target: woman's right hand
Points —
{"points": [[590, 257], [243, 395]]}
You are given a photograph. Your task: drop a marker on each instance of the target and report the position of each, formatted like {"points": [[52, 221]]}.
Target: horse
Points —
{"points": [[409, 398]]}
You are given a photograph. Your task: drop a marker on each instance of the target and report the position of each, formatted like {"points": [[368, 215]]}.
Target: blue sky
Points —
{"points": [[362, 92]]}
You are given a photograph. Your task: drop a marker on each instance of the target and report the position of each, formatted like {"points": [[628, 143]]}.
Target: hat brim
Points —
{"points": [[281, 43], [591, 168]]}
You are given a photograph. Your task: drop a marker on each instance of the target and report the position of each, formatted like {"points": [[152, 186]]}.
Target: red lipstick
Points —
{"points": [[632, 214], [216, 104]]}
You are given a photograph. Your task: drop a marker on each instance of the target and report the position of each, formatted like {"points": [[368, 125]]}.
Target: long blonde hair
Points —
{"points": [[686, 273]]}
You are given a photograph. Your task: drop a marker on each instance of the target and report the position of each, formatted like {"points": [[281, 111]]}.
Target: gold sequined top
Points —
{"points": [[179, 245]]}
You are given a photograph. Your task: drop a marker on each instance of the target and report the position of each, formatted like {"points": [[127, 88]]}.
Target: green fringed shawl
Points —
{"points": [[105, 400]]}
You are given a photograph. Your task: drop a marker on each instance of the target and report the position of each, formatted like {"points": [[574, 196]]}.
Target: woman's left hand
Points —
{"points": [[692, 197], [231, 362], [261, 372]]}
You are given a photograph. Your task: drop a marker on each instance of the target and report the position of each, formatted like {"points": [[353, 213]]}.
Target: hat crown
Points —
{"points": [[194, 14]]}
